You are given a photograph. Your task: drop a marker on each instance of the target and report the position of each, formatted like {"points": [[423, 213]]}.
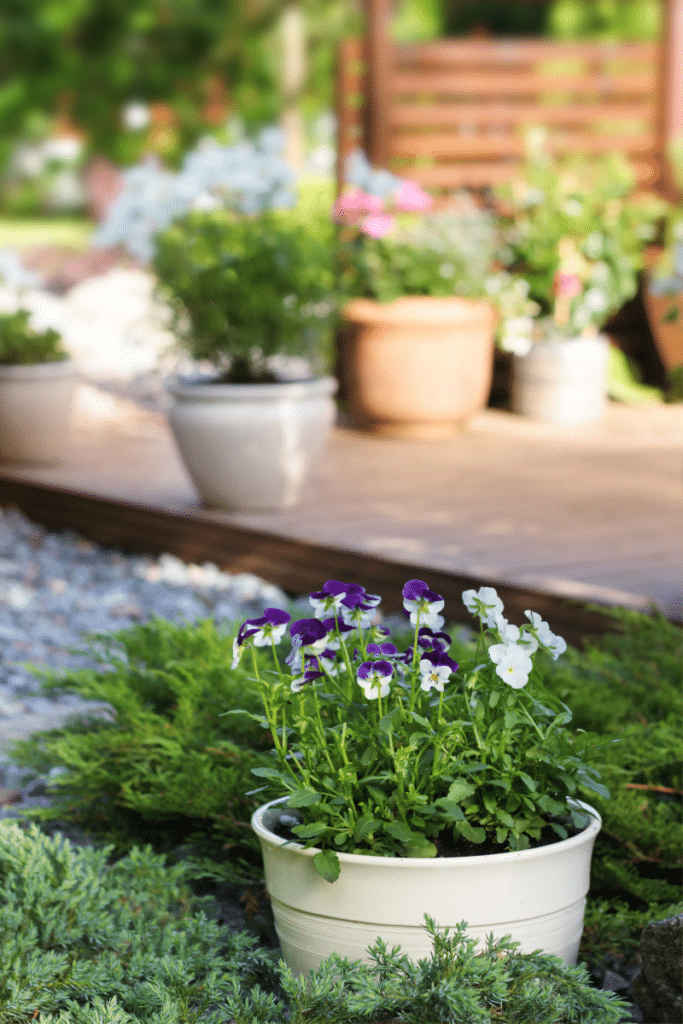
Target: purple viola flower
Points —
{"points": [[333, 627], [309, 636], [435, 670], [427, 639], [328, 599], [268, 629], [309, 676], [374, 678], [387, 649], [423, 604]]}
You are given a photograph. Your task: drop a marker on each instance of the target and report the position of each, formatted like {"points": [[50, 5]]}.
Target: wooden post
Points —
{"points": [[379, 56], [292, 74], [672, 96]]}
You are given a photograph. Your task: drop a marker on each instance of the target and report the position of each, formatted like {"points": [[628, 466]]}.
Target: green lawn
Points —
{"points": [[18, 234]]}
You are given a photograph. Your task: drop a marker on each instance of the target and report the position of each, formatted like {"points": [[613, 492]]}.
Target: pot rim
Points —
{"points": [[438, 310], [31, 371], [394, 863], [201, 387]]}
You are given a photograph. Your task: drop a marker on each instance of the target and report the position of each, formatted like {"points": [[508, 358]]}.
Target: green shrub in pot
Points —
{"points": [[21, 344], [247, 289]]}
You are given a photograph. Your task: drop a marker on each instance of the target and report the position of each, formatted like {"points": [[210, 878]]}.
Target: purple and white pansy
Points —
{"points": [[341, 609], [374, 677], [423, 604], [435, 670], [262, 632]]}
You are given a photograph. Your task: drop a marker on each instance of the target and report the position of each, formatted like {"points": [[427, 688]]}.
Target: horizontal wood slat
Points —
{"points": [[480, 174], [435, 83], [472, 51], [480, 145], [433, 115]]}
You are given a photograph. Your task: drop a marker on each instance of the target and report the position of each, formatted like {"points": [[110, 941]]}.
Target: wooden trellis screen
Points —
{"points": [[452, 114]]}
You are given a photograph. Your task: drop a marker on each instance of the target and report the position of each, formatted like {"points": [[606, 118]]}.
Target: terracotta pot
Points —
{"points": [[35, 405], [419, 366], [537, 896]]}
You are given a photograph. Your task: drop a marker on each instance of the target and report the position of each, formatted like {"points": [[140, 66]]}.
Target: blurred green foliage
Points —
{"points": [[86, 59]]}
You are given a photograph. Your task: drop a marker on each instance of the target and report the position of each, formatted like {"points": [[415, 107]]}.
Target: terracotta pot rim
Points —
{"points": [[420, 309]]}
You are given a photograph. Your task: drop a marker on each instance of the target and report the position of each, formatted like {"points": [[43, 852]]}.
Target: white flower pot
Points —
{"points": [[562, 380], [250, 447], [537, 896], [35, 402]]}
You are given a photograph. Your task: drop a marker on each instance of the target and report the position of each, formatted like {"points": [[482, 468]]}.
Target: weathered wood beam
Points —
{"points": [[672, 92]]}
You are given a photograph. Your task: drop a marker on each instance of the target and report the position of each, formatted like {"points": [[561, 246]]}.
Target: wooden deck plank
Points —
{"points": [[550, 516]]}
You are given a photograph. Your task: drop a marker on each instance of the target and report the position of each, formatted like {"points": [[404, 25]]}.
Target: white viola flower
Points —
{"points": [[508, 633], [513, 664], [485, 603], [374, 678], [545, 636], [435, 671], [237, 649], [423, 604]]}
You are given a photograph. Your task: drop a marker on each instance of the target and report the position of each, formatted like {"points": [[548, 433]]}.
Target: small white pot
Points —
{"points": [[537, 896], [250, 447], [562, 380], [35, 402]]}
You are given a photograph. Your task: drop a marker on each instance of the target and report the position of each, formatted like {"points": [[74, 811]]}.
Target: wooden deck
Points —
{"points": [[551, 516]]}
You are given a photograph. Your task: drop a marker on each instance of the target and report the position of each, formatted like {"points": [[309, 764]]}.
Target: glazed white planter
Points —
{"points": [[35, 403], [562, 380], [537, 896], [250, 447]]}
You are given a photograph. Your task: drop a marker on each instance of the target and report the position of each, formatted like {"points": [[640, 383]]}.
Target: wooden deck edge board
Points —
{"points": [[296, 566]]}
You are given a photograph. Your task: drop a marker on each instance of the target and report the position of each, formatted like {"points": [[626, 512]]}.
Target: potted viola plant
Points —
{"points": [[37, 384], [417, 354], [576, 233], [407, 784], [663, 295]]}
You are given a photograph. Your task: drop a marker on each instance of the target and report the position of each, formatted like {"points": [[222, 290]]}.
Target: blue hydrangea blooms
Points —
{"points": [[248, 177]]}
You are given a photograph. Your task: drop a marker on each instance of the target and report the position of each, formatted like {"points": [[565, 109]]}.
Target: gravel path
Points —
{"points": [[56, 588]]}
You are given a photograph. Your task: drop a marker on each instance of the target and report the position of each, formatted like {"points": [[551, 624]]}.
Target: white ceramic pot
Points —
{"points": [[250, 447], [562, 381], [35, 403], [537, 896]]}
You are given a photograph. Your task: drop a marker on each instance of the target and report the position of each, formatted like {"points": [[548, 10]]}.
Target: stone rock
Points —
{"points": [[657, 988]]}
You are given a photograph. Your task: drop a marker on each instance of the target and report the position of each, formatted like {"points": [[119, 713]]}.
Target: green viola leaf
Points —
{"points": [[474, 835], [267, 773], [501, 835], [399, 830], [494, 697], [420, 720], [391, 720], [303, 798], [590, 783], [366, 824], [312, 831], [425, 849], [506, 818], [528, 781], [460, 789], [453, 810], [327, 865]]}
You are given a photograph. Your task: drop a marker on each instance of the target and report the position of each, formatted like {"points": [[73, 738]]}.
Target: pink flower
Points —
{"points": [[411, 198], [567, 285], [350, 204], [377, 225]]}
